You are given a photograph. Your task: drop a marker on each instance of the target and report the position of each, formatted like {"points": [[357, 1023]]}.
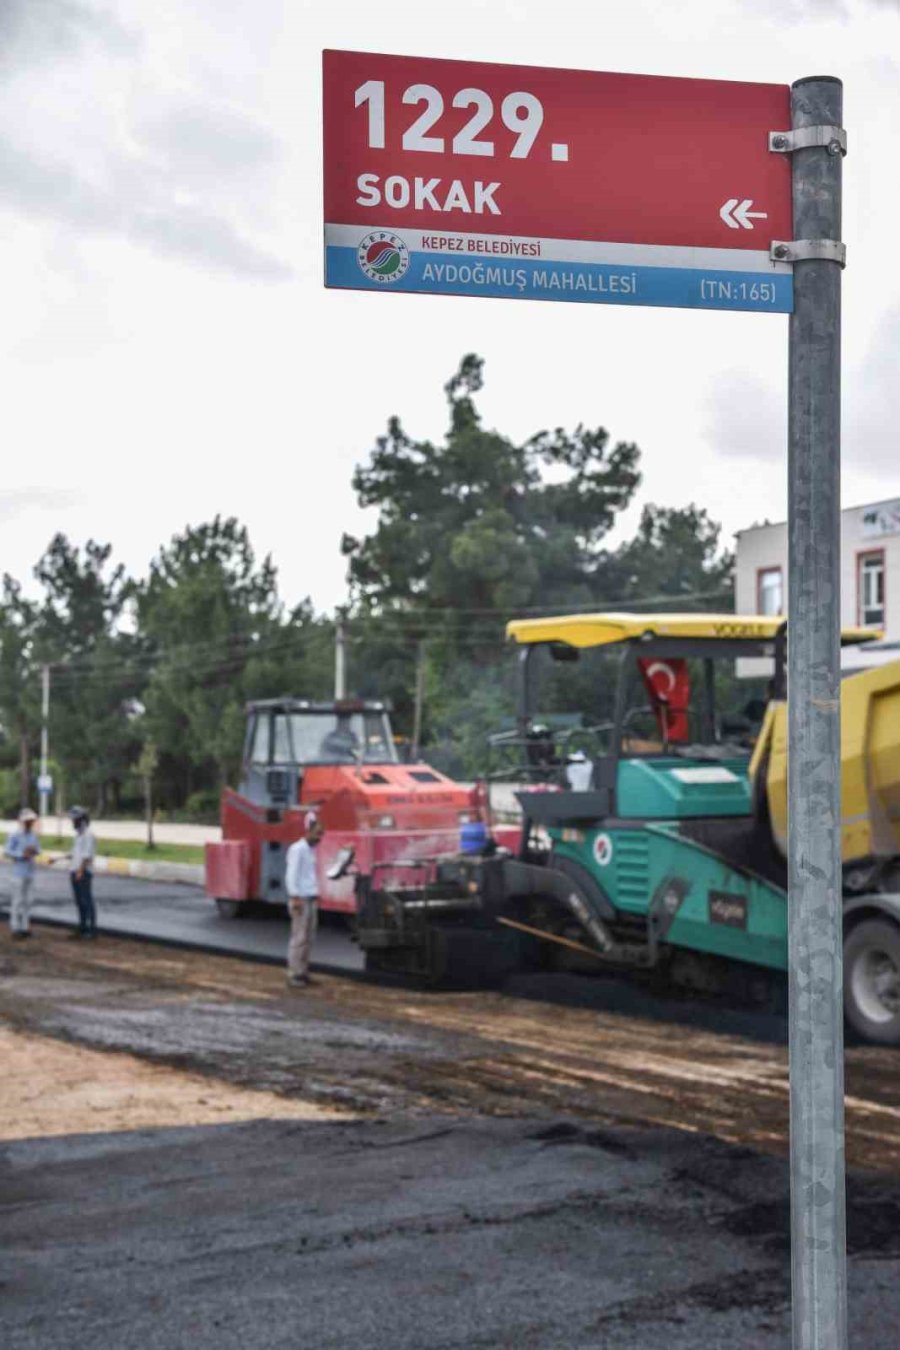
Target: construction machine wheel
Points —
{"points": [[231, 909], [872, 980]]}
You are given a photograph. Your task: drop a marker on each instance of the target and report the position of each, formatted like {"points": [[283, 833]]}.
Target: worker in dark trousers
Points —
{"points": [[84, 852]]}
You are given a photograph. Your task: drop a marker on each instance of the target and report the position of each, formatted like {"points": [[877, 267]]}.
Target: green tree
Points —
{"points": [[674, 553], [471, 530], [83, 597], [19, 683], [210, 616], [481, 525], [96, 676]]}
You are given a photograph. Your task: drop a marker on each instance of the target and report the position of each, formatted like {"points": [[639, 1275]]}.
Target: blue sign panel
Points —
{"points": [[544, 269]]}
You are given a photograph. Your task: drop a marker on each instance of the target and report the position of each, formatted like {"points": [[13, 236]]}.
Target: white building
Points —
{"points": [[870, 568]]}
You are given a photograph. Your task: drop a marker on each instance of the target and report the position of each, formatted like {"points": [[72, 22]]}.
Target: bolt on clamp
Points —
{"points": [[832, 139], [805, 250]]}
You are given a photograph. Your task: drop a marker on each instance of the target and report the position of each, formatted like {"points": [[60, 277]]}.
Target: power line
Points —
{"points": [[590, 606], [219, 655], [247, 647], [399, 620]]}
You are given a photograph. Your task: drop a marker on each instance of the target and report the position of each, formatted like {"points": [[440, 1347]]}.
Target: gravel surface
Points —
{"points": [[464, 1233]]}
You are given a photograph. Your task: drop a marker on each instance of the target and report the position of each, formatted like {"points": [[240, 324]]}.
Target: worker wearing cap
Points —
{"points": [[84, 850], [302, 885], [23, 846]]}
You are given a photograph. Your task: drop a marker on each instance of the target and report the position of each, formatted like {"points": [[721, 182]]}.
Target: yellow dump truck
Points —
{"points": [[870, 836], [870, 773]]}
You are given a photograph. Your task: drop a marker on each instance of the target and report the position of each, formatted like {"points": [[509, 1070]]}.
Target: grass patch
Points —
{"points": [[129, 848]]}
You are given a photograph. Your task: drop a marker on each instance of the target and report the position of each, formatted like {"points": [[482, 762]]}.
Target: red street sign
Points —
{"points": [[474, 178]]}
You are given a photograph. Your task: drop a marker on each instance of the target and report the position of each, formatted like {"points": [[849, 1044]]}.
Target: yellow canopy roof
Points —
{"points": [[598, 630]]}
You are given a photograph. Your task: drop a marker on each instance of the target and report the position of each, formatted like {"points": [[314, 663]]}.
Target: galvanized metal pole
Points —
{"points": [[818, 1240]]}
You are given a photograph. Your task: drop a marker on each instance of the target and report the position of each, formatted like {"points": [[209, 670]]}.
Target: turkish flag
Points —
{"points": [[669, 685]]}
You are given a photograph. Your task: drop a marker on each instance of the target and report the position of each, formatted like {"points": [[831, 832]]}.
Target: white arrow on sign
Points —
{"points": [[735, 214]]}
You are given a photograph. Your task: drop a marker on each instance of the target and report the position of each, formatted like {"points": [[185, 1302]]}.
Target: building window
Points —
{"points": [[870, 588], [769, 591]]}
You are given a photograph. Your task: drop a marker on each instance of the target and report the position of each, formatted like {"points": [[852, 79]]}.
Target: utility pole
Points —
{"points": [[44, 803], [818, 1242], [340, 656], [419, 700]]}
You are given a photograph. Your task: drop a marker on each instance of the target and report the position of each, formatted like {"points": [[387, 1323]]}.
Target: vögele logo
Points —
{"points": [[603, 850], [383, 256]]}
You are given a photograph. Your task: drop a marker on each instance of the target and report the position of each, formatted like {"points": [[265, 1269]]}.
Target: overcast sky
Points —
{"points": [[169, 351]]}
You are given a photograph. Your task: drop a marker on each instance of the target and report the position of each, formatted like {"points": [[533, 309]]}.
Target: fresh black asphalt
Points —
{"points": [[181, 914], [415, 1235]]}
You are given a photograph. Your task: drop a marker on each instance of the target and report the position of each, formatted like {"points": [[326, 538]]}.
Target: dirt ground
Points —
{"points": [[55, 1089], [442, 1169], [367, 1049]]}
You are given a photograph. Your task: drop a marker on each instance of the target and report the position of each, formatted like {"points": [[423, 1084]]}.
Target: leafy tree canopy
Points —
{"points": [[479, 523], [674, 553], [19, 699], [83, 597], [218, 635], [93, 678]]}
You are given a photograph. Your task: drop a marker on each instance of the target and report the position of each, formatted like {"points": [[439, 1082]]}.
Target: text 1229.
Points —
{"points": [[520, 112]]}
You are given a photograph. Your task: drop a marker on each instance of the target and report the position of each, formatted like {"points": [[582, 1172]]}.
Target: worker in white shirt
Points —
{"points": [[22, 847], [84, 851], [301, 883]]}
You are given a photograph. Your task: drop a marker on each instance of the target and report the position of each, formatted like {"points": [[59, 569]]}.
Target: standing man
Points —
{"points": [[23, 846], [84, 851], [302, 885]]}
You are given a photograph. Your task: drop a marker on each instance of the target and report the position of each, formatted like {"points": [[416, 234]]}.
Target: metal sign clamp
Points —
{"points": [[834, 140], [802, 250]]}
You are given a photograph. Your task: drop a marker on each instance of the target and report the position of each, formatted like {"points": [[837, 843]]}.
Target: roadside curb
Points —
{"points": [[189, 874]]}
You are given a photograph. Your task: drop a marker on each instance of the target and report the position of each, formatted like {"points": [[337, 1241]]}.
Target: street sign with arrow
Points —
{"points": [[467, 178]]}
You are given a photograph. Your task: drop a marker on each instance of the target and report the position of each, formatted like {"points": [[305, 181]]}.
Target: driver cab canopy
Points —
{"points": [[596, 630], [300, 733], [287, 736]]}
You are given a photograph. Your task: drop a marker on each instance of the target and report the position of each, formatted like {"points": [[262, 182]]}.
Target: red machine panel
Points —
{"points": [[228, 870]]}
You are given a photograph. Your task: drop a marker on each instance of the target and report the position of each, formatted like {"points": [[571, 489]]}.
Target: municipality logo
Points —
{"points": [[383, 256]]}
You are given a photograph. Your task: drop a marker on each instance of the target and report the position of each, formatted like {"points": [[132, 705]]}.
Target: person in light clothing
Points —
{"points": [[301, 883], [23, 846], [84, 851]]}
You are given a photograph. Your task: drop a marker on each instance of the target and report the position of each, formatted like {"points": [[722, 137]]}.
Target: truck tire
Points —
{"points": [[231, 909], [872, 980]]}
